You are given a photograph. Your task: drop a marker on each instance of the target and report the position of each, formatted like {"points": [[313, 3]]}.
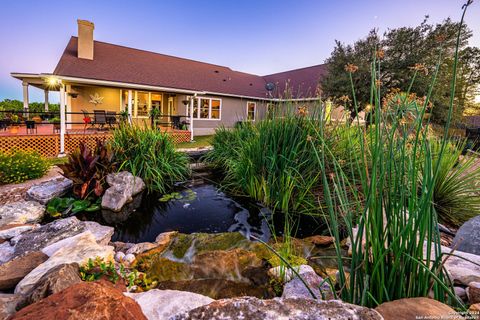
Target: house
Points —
{"points": [[93, 75]]}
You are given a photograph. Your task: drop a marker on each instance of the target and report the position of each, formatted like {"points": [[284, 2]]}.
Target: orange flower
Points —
{"points": [[420, 67], [380, 54], [302, 111], [351, 68]]}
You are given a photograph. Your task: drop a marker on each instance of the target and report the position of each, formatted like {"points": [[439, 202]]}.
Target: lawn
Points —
{"points": [[199, 142]]}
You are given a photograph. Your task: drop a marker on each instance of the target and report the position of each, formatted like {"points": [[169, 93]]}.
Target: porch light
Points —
{"points": [[53, 82]]}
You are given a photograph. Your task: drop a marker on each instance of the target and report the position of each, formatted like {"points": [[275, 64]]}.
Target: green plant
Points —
{"points": [[61, 207], [54, 120], [455, 195], [19, 166], [149, 154], [88, 169], [97, 268], [14, 118]]}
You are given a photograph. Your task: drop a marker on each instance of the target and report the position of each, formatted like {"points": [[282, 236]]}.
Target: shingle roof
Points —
{"points": [[122, 64]]}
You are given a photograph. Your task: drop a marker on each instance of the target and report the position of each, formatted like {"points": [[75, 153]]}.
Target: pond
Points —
{"points": [[197, 206]]}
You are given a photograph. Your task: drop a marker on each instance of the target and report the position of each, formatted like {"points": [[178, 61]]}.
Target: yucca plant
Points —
{"points": [[151, 155]]}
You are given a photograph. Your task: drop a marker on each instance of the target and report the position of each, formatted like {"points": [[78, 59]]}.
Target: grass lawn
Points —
{"points": [[199, 142], [56, 161]]}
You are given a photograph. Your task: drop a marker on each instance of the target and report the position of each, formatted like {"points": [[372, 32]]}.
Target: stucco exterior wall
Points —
{"points": [[111, 100]]}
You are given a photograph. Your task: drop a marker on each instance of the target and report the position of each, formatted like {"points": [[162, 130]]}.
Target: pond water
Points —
{"points": [[197, 206]]}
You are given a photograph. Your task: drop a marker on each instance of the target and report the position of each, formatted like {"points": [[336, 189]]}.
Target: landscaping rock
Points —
{"points": [[6, 252], [123, 187], [55, 280], [121, 246], [287, 273], [141, 247], [473, 292], [461, 293], [21, 212], [467, 238], [274, 309], [119, 256], [460, 270], [475, 309], [84, 300], [295, 288], [15, 270], [8, 304], [103, 234], [50, 189], [86, 247], [320, 240], [162, 304], [416, 308], [10, 231]]}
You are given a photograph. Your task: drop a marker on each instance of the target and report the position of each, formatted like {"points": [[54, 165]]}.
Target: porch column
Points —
{"points": [[129, 106], [68, 103], [191, 116], [25, 96], [62, 120], [46, 100]]}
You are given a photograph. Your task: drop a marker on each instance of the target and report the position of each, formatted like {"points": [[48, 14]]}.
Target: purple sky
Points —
{"points": [[260, 37]]}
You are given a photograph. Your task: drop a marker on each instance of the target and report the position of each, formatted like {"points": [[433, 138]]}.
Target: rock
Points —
{"points": [[125, 178], [10, 231], [15, 270], [6, 252], [119, 256], [416, 308], [165, 237], [292, 309], [86, 247], [8, 304], [460, 270], [162, 304], [84, 300], [121, 246], [320, 240], [141, 247], [475, 309], [21, 212], [288, 274], [55, 280], [129, 258], [50, 189], [461, 293], [123, 187], [37, 239], [473, 292], [467, 238], [295, 288], [103, 234]]}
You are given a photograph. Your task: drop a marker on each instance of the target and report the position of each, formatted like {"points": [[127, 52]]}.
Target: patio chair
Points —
{"points": [[111, 118], [100, 118], [87, 120], [31, 126], [175, 122]]}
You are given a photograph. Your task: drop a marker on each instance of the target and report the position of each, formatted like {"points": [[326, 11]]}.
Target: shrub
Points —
{"points": [[88, 169], [151, 155], [19, 166]]}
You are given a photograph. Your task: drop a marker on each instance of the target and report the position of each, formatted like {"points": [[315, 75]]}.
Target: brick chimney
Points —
{"points": [[85, 39]]}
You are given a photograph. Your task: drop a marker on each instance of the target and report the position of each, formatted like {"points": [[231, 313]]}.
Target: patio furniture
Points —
{"points": [[87, 120], [111, 118], [175, 122], [100, 118], [31, 126]]}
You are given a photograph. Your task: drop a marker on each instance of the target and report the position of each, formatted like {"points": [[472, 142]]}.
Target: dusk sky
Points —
{"points": [[260, 37]]}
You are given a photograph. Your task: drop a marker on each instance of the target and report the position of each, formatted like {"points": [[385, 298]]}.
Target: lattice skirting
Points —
{"points": [[49, 145]]}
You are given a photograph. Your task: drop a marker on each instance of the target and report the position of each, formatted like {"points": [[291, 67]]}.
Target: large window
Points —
{"points": [[206, 108], [251, 110]]}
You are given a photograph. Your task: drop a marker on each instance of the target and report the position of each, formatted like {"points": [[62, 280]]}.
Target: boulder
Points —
{"points": [[162, 304], [55, 280], [8, 304], [416, 308], [123, 187], [50, 189], [285, 274], [15, 270], [141, 247], [21, 212], [103, 234], [6, 252], [467, 238], [461, 293], [320, 240], [84, 300], [292, 309], [85, 247], [10, 231], [462, 271], [295, 288], [473, 292]]}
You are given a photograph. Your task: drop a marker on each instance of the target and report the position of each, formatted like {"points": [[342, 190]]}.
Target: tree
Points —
{"points": [[401, 49]]}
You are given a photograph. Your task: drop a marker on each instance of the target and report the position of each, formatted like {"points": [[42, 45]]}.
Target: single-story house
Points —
{"points": [[94, 75]]}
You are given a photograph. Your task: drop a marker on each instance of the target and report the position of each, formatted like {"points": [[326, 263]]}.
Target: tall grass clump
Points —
{"points": [[151, 155], [395, 242]]}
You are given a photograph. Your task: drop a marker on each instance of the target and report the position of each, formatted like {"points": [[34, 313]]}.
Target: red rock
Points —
{"points": [[416, 308], [320, 240], [14, 270], [85, 300]]}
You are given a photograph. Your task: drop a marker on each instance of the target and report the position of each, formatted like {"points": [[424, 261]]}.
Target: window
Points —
{"points": [[206, 109], [142, 105], [251, 110]]}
